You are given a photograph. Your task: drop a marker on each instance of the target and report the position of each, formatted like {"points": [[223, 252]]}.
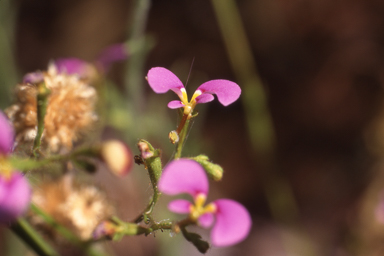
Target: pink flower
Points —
{"points": [[162, 80], [15, 195], [15, 192], [81, 68], [233, 222], [6, 135]]}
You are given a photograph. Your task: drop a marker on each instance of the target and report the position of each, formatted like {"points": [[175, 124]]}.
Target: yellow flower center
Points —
{"points": [[199, 209], [5, 167], [189, 105]]}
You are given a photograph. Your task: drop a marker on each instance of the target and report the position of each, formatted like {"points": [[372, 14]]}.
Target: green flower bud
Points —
{"points": [[214, 171]]}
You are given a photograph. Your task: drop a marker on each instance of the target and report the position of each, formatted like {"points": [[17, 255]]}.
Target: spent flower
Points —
{"points": [[233, 222], [69, 114]]}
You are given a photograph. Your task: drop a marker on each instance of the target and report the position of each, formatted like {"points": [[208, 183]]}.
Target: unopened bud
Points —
{"points": [[117, 156], [173, 137], [214, 171], [145, 149], [106, 229]]}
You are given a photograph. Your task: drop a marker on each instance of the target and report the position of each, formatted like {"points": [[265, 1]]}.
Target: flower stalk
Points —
{"points": [[152, 162], [42, 103], [29, 235]]}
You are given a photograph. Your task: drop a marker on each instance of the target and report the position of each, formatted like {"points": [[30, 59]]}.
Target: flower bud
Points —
{"points": [[173, 137], [117, 156], [146, 149], [214, 171], [105, 229]]}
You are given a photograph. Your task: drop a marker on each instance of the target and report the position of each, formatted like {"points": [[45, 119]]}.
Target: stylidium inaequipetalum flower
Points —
{"points": [[233, 222], [15, 192], [162, 80]]}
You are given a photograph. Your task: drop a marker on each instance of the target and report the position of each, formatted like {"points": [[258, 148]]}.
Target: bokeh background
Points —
{"points": [[302, 149]]}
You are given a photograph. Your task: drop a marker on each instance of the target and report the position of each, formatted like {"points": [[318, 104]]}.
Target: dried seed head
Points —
{"points": [[79, 208], [70, 111]]}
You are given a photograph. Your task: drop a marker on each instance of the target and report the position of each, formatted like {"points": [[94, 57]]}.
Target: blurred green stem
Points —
{"points": [[182, 137], [135, 75], [8, 76], [26, 232], [278, 190], [42, 103]]}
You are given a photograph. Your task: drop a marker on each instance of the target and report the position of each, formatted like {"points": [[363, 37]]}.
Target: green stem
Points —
{"points": [[135, 75], [182, 138], [27, 164], [154, 167], [42, 103], [26, 232], [254, 99]]}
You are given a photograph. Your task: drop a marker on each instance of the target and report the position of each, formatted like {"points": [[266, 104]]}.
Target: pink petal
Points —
{"points": [[233, 223], [204, 98], [227, 92], [175, 104], [180, 206], [111, 54], [72, 66], [6, 135], [15, 195], [206, 220], [34, 77], [162, 80], [183, 176]]}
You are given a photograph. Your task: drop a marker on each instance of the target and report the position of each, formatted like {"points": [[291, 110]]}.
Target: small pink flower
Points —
{"points": [[74, 66], [15, 192], [162, 80], [233, 222], [15, 195], [6, 135]]}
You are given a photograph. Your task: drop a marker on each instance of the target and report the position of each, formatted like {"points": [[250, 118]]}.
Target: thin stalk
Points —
{"points": [[135, 75], [154, 167], [254, 99], [278, 191], [182, 138], [26, 233], [42, 103]]}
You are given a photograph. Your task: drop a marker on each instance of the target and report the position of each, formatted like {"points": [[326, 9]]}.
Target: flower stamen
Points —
{"points": [[199, 209]]}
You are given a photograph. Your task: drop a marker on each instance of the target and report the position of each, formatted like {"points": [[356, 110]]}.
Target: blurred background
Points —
{"points": [[302, 149]]}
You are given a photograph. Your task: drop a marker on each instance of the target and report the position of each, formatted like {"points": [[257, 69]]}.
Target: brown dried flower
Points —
{"points": [[78, 207], [70, 110]]}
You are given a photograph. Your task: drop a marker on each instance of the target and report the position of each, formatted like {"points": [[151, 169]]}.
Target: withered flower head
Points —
{"points": [[70, 110], [78, 207]]}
